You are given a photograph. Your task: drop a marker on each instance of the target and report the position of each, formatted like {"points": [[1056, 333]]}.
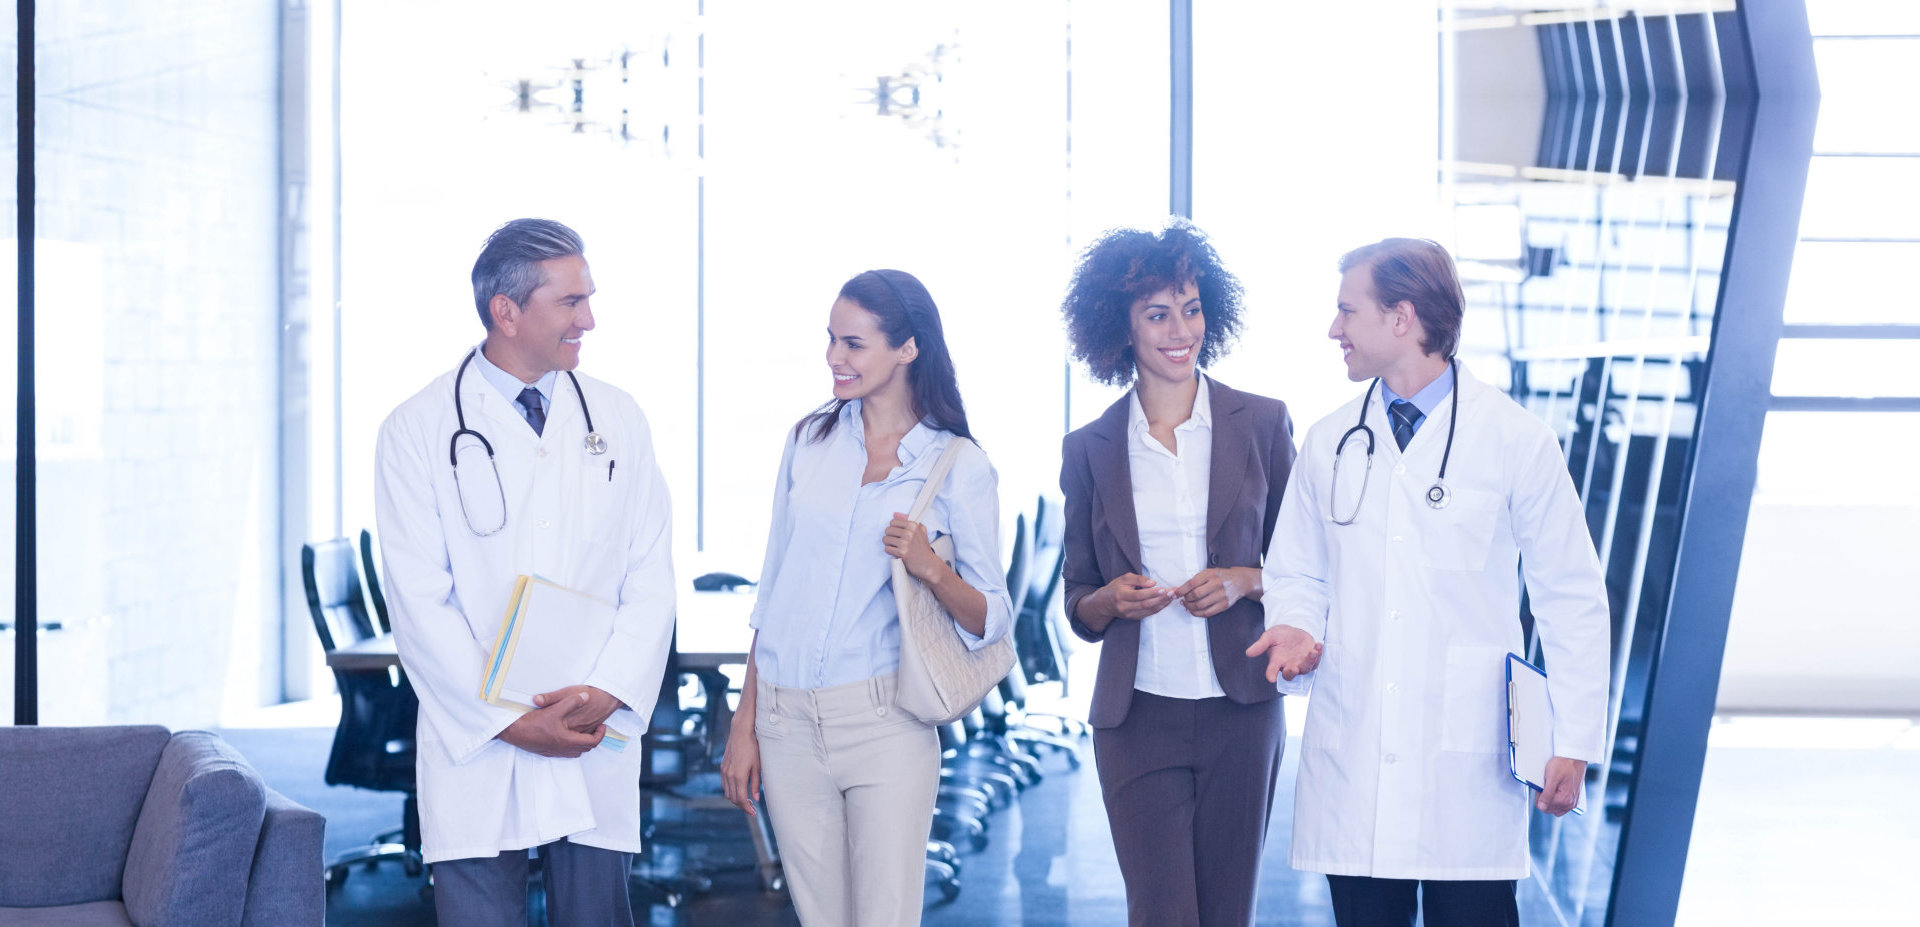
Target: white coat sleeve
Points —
{"points": [[779, 529], [635, 655], [972, 498], [1566, 591], [435, 641], [1295, 571]]}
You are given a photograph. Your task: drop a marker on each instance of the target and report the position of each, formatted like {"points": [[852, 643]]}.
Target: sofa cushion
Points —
{"points": [[90, 914], [193, 846], [70, 799]]}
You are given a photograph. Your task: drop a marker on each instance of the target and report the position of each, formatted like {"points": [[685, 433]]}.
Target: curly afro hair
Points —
{"points": [[1126, 265]]}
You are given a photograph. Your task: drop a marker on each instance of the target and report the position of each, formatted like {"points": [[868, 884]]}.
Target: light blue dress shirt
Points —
{"points": [[1426, 400], [510, 385], [825, 612]]}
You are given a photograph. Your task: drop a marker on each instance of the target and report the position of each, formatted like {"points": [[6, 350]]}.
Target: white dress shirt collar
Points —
{"points": [[510, 385], [1200, 417]]}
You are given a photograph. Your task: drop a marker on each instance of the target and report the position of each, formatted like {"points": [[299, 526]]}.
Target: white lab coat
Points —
{"points": [[570, 519], [1403, 765]]}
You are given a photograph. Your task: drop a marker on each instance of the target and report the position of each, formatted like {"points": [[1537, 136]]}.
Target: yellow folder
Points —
{"points": [[549, 639]]}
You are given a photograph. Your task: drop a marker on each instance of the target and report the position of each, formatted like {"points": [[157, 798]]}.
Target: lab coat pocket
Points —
{"points": [[603, 499], [1460, 536], [1475, 705]]}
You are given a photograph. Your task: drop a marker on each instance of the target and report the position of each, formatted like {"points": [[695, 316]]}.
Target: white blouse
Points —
{"points": [[1170, 507]]}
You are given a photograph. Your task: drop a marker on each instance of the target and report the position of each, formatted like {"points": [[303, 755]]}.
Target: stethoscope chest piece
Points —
{"points": [[596, 445], [1438, 495]]}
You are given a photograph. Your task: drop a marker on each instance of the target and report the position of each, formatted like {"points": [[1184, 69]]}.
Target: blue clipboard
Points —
{"points": [[1530, 726]]}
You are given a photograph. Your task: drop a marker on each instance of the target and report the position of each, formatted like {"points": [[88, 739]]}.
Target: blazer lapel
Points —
{"points": [[1113, 478], [1232, 444]]}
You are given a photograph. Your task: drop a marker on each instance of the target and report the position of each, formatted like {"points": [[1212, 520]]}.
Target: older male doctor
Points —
{"points": [[511, 464], [1399, 579]]}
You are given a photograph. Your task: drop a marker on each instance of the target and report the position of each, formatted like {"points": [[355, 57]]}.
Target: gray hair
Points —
{"points": [[509, 263]]}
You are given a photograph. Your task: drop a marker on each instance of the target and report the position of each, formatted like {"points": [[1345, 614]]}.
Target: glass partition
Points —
{"points": [[156, 358], [1592, 207]]}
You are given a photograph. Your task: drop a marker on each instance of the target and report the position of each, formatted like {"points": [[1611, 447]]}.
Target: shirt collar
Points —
{"points": [[1428, 398], [1201, 417], [912, 444], [510, 385]]}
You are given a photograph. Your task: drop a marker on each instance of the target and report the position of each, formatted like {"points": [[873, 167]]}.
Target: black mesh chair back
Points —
{"points": [[1018, 563], [372, 576], [1034, 634], [339, 608], [373, 744]]}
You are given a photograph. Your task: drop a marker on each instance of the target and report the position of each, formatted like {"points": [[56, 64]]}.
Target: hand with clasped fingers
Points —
{"points": [[568, 722], [1215, 589], [1290, 652], [1130, 596]]}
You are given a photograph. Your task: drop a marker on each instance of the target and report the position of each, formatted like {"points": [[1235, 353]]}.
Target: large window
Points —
{"points": [[730, 165], [156, 358]]}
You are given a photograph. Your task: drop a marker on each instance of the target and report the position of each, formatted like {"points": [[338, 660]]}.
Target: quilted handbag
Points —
{"points": [[940, 679]]}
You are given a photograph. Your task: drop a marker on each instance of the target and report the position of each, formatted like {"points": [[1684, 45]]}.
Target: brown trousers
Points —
{"points": [[1189, 786]]}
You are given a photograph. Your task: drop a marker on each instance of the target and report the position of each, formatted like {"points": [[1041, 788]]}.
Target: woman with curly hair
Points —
{"points": [[1171, 498]]}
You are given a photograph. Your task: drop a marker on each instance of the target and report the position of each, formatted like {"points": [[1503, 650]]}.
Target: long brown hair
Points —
{"points": [[905, 310]]}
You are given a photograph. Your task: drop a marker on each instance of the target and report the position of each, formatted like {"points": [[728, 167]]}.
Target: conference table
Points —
{"points": [[710, 631]]}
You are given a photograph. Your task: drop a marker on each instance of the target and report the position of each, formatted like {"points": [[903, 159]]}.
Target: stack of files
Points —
{"points": [[549, 639]]}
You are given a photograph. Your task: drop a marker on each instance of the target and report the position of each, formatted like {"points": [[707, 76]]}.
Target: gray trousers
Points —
{"points": [[1188, 785], [586, 887]]}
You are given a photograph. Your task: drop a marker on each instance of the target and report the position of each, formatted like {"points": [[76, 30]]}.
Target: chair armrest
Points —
{"points": [[193, 845], [287, 885]]}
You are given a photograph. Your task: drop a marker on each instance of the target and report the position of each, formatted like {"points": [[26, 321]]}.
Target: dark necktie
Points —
{"points": [[537, 414], [1406, 417]]}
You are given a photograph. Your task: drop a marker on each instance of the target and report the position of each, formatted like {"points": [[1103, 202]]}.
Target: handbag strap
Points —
{"points": [[937, 478]]}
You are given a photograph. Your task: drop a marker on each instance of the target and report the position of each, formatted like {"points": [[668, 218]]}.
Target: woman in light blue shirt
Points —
{"points": [[850, 780]]}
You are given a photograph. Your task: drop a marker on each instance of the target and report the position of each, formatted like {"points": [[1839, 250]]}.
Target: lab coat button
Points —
{"points": [[1391, 759], [1395, 614], [541, 453], [1392, 687], [543, 524], [1396, 539], [1399, 469]]}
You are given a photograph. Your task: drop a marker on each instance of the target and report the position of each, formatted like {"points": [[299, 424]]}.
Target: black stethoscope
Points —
{"points": [[1438, 495], [595, 445]]}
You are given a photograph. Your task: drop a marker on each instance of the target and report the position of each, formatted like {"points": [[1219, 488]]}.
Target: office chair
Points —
{"points": [[373, 744], [674, 746], [1034, 638], [371, 574]]}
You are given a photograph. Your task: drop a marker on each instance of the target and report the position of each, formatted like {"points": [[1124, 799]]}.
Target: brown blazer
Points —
{"points": [[1252, 456]]}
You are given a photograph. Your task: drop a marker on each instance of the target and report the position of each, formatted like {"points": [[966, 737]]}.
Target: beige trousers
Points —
{"points": [[850, 784]]}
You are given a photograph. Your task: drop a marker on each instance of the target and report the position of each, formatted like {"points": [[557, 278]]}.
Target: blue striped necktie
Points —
{"points": [[537, 414], [1406, 417]]}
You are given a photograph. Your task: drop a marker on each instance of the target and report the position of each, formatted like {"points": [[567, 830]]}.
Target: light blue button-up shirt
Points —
{"points": [[826, 614], [510, 385], [1426, 400]]}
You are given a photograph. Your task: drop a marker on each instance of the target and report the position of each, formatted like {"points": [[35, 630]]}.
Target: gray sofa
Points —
{"points": [[135, 826]]}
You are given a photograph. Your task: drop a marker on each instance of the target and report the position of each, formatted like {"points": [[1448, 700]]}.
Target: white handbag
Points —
{"points": [[940, 679]]}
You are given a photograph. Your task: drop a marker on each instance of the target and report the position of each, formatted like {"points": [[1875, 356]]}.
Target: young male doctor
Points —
{"points": [[1412, 513], [510, 463]]}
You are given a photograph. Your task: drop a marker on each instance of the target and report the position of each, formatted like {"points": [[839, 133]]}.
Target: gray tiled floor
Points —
{"points": [[1789, 811]]}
